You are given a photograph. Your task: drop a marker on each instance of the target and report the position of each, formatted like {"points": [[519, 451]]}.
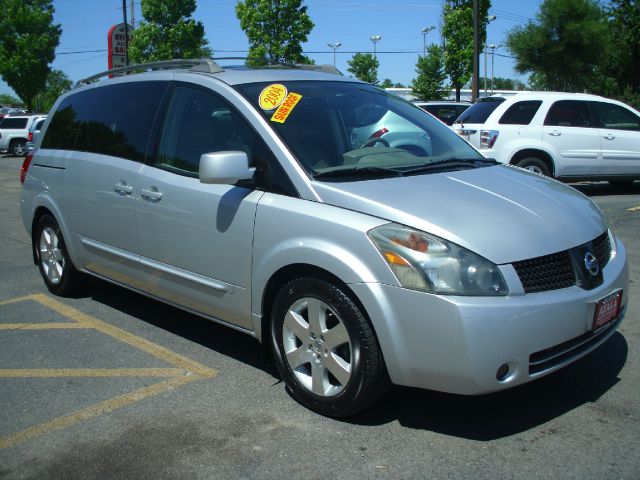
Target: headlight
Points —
{"points": [[424, 262]]}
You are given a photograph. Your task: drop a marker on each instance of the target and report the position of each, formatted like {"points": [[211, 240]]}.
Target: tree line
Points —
{"points": [[571, 45]]}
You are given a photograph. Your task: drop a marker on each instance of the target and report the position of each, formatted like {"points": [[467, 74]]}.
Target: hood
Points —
{"points": [[503, 213]]}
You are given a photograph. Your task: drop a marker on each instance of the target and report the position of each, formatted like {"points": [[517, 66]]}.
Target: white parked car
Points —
{"points": [[14, 133], [570, 136]]}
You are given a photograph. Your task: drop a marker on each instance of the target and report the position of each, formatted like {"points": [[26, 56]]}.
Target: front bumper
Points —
{"points": [[459, 344]]}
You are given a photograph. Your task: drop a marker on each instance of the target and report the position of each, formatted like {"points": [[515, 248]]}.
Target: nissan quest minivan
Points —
{"points": [[358, 238]]}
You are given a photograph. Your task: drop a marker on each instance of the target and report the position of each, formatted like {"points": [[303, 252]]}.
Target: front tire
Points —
{"points": [[535, 165], [52, 257], [325, 348]]}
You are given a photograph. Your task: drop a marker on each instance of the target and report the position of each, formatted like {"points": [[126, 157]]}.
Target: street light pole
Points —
{"points": [[493, 49], [490, 19], [424, 32], [334, 46], [375, 39], [476, 44]]}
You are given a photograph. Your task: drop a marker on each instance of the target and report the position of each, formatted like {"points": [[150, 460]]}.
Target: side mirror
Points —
{"points": [[224, 167]]}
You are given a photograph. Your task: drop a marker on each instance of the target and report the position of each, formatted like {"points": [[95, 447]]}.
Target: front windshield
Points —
{"points": [[343, 126]]}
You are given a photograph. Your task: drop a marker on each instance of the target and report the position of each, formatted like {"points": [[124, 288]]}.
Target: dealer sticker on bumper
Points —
{"points": [[607, 309]]}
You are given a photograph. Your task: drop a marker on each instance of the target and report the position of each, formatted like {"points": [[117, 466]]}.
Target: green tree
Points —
{"points": [[28, 39], [457, 31], [500, 83], [364, 66], [429, 84], [275, 30], [563, 47], [168, 32], [7, 100], [623, 56], [57, 83]]}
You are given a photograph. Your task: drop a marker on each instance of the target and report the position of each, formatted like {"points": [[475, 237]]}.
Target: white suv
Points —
{"points": [[14, 133], [570, 136]]}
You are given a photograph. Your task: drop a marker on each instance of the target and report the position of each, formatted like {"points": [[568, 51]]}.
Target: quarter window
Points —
{"points": [[17, 123], [569, 113], [617, 117], [520, 113]]}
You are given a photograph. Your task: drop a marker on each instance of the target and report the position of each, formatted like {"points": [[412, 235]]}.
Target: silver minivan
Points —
{"points": [[357, 237]]}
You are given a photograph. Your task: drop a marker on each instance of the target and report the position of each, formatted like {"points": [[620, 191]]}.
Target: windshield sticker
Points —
{"points": [[272, 96], [286, 108]]}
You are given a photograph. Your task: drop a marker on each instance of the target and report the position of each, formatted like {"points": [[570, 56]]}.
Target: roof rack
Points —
{"points": [[196, 64], [324, 68]]}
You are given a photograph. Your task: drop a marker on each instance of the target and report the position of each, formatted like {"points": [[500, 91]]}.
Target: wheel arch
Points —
{"points": [[534, 152]]}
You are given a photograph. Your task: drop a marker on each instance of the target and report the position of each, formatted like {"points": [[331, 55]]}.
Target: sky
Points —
{"points": [[85, 23]]}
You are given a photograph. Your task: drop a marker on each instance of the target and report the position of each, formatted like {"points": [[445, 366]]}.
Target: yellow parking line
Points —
{"points": [[633, 209], [89, 372], [95, 410], [186, 370], [41, 326]]}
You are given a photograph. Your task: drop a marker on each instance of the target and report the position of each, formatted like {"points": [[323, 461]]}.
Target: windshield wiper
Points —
{"points": [[360, 172], [452, 164]]}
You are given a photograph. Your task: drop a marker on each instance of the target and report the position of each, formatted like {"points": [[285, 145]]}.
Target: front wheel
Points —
{"points": [[325, 348], [535, 165], [58, 273]]}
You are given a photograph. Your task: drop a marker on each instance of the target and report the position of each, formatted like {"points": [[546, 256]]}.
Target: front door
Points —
{"points": [[196, 239]]}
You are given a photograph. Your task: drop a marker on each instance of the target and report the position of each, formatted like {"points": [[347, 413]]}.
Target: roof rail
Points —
{"points": [[195, 64], [324, 68]]}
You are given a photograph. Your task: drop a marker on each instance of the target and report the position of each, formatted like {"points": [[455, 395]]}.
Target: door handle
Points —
{"points": [[555, 133], [151, 194], [122, 188], [609, 136]]}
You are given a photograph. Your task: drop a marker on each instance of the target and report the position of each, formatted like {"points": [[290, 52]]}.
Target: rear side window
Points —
{"points": [[479, 112], [569, 113], [11, 122], [112, 120], [615, 116], [39, 124], [520, 113]]}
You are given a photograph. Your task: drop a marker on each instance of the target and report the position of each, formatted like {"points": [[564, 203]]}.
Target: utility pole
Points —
{"points": [[133, 22], [493, 49], [476, 44]]}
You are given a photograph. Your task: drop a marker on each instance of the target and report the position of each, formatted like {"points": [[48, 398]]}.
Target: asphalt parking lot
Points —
{"points": [[111, 384]]}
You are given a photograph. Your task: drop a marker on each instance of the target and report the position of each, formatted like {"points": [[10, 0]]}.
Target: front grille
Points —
{"points": [[551, 357], [550, 272], [555, 271], [602, 249]]}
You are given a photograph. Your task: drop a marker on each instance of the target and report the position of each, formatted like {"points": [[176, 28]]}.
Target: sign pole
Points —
{"points": [[126, 32]]}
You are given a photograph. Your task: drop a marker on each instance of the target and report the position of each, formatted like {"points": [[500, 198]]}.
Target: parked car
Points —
{"points": [[444, 110], [14, 133], [270, 201], [569, 136], [34, 132]]}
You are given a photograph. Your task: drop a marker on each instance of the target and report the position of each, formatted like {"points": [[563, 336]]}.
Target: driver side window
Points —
{"points": [[196, 122]]}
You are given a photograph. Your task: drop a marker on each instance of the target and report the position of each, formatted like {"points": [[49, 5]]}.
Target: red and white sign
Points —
{"points": [[117, 45]]}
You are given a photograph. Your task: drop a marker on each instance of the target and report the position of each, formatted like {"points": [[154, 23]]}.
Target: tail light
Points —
{"points": [[488, 138], [25, 165], [30, 137]]}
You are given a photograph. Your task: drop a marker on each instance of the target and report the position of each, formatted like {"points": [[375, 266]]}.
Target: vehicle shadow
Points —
{"points": [[207, 333], [481, 417], [506, 413], [600, 189]]}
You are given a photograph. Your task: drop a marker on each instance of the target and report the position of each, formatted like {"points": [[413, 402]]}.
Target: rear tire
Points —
{"points": [[52, 257], [535, 165], [325, 349], [18, 148]]}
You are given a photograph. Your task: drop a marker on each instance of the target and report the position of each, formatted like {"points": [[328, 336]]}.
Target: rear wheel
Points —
{"points": [[19, 148], [535, 165], [58, 273], [325, 349]]}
